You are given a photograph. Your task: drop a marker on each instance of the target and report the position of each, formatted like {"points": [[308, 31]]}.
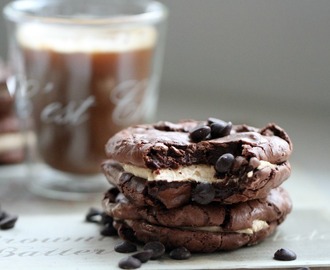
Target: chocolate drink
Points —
{"points": [[84, 87]]}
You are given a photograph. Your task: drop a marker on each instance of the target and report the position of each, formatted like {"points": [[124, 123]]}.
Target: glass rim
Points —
{"points": [[17, 11]]}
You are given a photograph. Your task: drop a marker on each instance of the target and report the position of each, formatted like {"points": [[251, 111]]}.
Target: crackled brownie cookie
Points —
{"points": [[199, 228], [174, 164]]}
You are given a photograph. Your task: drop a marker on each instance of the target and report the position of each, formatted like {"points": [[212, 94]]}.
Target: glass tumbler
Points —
{"points": [[83, 70]]}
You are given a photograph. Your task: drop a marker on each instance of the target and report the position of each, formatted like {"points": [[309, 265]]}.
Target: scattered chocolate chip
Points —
{"points": [[2, 214], [94, 215], [200, 133], [99, 217], [7, 221], [203, 193], [180, 253], [112, 193], [129, 263], [127, 232], [157, 248], [303, 268], [285, 254], [109, 230], [224, 163], [143, 256], [106, 219], [125, 247]]}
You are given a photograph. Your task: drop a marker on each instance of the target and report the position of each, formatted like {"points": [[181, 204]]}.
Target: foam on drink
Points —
{"points": [[65, 40]]}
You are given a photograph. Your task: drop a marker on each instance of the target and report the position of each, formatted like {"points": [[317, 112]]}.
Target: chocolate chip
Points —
{"points": [[285, 254], [106, 219], [180, 253], [129, 263], [203, 193], [125, 247], [223, 193], [200, 133], [217, 130], [96, 216], [2, 214], [224, 163], [7, 221], [126, 232], [157, 248], [93, 215], [303, 268], [226, 131], [143, 256], [112, 193], [213, 120], [109, 230]]}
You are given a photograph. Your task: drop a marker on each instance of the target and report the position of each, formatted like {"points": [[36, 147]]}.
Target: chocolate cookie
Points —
{"points": [[173, 164], [168, 145], [177, 193], [200, 228]]}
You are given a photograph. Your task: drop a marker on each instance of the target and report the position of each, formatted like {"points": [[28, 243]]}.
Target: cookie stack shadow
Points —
{"points": [[203, 185]]}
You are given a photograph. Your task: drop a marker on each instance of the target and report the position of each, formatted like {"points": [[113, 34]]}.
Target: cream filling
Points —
{"points": [[198, 173], [13, 141], [257, 225]]}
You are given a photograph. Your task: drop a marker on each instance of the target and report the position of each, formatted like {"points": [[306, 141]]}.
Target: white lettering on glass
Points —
{"points": [[128, 97], [74, 113]]}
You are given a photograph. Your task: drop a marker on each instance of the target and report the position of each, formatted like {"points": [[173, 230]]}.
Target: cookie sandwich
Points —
{"points": [[204, 185]]}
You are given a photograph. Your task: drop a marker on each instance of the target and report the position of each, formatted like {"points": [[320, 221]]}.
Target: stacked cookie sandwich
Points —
{"points": [[203, 185]]}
